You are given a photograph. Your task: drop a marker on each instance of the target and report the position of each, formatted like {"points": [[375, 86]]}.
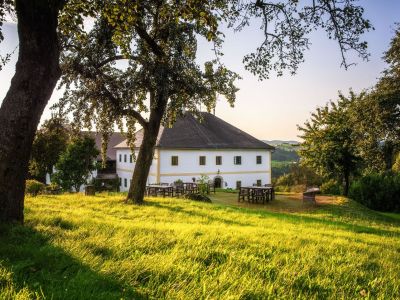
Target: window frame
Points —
{"points": [[125, 182], [202, 160], [218, 160], [259, 159], [259, 182], [173, 157], [237, 160]]}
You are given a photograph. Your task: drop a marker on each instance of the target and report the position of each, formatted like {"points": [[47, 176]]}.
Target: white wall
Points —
{"points": [[188, 166], [248, 172], [125, 169]]}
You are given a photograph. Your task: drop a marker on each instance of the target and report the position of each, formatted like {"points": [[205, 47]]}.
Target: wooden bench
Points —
{"points": [[309, 195]]}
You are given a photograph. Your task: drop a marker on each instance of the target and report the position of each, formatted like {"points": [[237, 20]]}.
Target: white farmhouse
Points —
{"points": [[191, 148]]}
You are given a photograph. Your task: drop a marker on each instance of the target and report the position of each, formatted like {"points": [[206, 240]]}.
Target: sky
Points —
{"points": [[272, 109]]}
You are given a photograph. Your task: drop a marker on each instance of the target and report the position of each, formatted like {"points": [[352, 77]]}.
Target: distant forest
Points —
{"points": [[284, 155]]}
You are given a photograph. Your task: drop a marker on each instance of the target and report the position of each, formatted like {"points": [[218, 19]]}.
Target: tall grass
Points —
{"points": [[77, 247]]}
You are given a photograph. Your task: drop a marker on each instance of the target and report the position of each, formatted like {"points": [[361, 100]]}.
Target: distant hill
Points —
{"points": [[284, 156], [281, 142]]}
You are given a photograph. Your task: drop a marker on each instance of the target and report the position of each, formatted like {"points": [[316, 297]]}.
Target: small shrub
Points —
{"points": [[378, 192], [282, 188], [178, 181], [33, 187], [331, 187], [198, 197], [52, 189], [298, 188]]}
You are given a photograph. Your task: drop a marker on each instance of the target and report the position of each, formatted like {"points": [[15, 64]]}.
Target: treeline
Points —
{"points": [[282, 154], [352, 144]]}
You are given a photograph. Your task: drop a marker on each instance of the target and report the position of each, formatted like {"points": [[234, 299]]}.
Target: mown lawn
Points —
{"points": [[77, 247]]}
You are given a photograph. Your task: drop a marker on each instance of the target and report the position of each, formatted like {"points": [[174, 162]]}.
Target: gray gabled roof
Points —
{"points": [[114, 139], [138, 139], [208, 132]]}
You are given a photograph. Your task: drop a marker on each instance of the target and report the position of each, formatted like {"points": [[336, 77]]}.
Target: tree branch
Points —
{"points": [[157, 50], [114, 58]]}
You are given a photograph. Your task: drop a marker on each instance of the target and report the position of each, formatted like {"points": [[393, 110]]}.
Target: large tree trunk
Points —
{"points": [[146, 151], [36, 74]]}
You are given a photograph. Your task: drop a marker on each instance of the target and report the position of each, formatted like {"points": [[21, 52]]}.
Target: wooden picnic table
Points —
{"points": [[155, 189], [256, 193], [190, 187]]}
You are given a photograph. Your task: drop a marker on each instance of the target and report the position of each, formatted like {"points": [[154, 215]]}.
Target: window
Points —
{"points": [[120, 181], [124, 157], [202, 160], [259, 159], [174, 160], [237, 160], [258, 182], [218, 160], [130, 158], [238, 184], [120, 158], [125, 182]]}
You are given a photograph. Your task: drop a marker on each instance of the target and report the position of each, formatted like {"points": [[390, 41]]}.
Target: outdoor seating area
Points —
{"points": [[256, 194], [178, 189]]}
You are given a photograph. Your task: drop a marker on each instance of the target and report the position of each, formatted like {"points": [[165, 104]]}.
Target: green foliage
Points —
{"points": [[178, 181], [297, 179], [331, 187], [396, 165], [33, 187], [282, 159], [358, 134], [298, 188], [376, 116], [76, 163], [284, 155], [202, 184], [280, 168], [50, 141], [377, 191], [328, 146], [77, 247], [52, 188]]}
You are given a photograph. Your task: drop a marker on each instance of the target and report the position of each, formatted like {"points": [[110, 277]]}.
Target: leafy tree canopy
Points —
{"points": [[76, 163], [327, 146], [50, 141]]}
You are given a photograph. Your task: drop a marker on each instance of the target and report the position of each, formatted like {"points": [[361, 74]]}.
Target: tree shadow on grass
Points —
{"points": [[48, 270], [292, 218], [296, 219]]}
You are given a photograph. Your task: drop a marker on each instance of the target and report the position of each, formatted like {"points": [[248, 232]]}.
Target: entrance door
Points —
{"points": [[217, 182]]}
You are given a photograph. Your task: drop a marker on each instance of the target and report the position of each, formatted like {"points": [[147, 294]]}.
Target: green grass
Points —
{"points": [[77, 247]]}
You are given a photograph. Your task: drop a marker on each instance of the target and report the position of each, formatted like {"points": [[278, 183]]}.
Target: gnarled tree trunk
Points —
{"points": [[146, 151], [36, 74]]}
